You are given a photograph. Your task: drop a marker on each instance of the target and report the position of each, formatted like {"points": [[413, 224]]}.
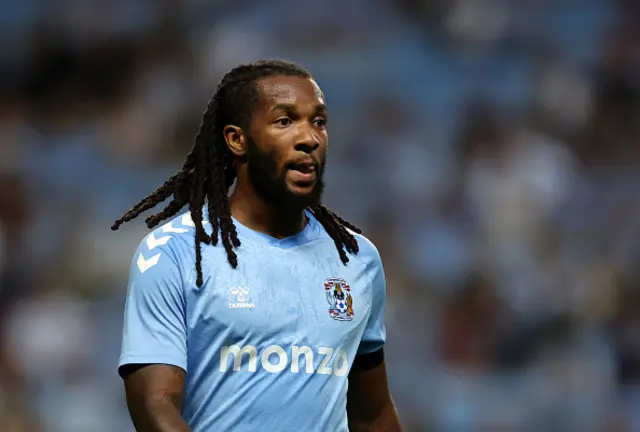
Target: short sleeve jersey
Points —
{"points": [[266, 346]]}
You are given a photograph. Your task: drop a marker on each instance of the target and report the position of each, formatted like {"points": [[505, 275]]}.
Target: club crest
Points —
{"points": [[338, 293]]}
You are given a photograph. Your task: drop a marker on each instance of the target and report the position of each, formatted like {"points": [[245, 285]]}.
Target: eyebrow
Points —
{"points": [[319, 109]]}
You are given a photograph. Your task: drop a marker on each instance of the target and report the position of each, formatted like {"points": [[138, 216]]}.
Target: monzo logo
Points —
{"points": [[275, 359]]}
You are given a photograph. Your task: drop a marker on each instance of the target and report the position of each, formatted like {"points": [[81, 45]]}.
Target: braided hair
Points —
{"points": [[209, 171]]}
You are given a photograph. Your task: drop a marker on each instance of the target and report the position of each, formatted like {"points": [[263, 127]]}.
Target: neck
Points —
{"points": [[253, 212]]}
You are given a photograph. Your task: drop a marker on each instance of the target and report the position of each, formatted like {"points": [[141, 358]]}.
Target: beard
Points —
{"points": [[272, 186]]}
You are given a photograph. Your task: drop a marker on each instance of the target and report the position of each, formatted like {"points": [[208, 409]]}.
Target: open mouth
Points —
{"points": [[303, 172]]}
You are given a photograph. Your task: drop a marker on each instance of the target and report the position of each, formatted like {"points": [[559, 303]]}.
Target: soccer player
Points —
{"points": [[281, 328]]}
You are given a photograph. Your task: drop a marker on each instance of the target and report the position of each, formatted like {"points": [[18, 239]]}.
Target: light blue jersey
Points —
{"points": [[267, 346]]}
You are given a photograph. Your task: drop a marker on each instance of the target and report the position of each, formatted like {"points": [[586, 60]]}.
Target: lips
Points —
{"points": [[304, 168], [303, 171]]}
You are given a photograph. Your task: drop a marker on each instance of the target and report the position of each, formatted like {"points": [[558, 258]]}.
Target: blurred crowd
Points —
{"points": [[488, 147]]}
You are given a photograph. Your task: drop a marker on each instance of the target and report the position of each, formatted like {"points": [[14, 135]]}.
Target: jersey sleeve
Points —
{"points": [[374, 336], [155, 329]]}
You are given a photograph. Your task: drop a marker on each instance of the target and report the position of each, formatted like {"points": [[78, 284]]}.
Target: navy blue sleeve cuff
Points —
{"points": [[364, 362]]}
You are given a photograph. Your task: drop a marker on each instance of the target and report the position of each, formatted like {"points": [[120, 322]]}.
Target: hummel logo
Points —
{"points": [[239, 298], [146, 264]]}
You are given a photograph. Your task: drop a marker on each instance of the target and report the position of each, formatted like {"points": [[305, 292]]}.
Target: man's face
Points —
{"points": [[287, 142]]}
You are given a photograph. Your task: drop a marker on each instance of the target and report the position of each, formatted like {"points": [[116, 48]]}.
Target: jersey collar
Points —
{"points": [[310, 232]]}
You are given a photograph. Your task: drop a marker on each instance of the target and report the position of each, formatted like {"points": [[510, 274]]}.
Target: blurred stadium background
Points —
{"points": [[490, 148]]}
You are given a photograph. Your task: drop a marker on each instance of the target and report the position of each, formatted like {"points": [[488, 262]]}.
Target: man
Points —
{"points": [[269, 331]]}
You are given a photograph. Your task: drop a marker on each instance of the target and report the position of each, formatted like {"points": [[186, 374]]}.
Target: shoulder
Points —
{"points": [[368, 250], [171, 244], [368, 254]]}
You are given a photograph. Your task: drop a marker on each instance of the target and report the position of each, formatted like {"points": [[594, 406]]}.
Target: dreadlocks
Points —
{"points": [[208, 171]]}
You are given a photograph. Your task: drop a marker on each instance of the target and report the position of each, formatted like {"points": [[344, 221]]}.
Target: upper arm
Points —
{"points": [[155, 328], [369, 403], [153, 385], [154, 395]]}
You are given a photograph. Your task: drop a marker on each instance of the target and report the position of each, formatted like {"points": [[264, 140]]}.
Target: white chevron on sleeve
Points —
{"points": [[146, 264], [169, 228], [153, 242], [188, 221]]}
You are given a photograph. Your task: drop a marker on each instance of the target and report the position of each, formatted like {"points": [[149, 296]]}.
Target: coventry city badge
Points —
{"points": [[338, 293]]}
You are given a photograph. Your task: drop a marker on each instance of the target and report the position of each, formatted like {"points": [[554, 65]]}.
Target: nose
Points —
{"points": [[307, 140]]}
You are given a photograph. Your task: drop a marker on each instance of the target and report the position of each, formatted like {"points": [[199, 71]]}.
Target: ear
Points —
{"points": [[235, 139]]}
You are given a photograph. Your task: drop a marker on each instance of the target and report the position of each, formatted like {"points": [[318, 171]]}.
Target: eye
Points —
{"points": [[320, 122], [283, 121]]}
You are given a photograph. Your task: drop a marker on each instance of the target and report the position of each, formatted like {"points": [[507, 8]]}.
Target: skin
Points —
{"points": [[288, 125], [369, 404], [154, 397]]}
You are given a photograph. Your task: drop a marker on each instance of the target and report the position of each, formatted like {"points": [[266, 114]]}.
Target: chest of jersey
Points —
{"points": [[302, 297]]}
